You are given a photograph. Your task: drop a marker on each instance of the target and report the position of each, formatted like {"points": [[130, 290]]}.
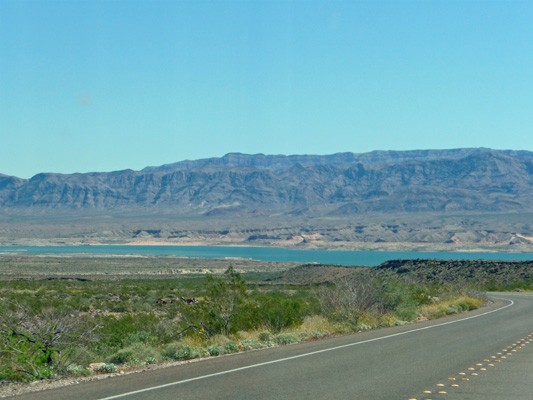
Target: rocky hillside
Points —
{"points": [[480, 180]]}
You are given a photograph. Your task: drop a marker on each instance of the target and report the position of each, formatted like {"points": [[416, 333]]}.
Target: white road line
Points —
{"points": [[301, 355]]}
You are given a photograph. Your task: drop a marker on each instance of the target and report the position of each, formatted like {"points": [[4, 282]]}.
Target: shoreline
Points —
{"points": [[322, 246]]}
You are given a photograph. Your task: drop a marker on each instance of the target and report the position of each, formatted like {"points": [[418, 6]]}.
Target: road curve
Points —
{"points": [[410, 362]]}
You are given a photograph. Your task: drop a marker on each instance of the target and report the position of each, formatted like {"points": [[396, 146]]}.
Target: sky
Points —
{"points": [[110, 85]]}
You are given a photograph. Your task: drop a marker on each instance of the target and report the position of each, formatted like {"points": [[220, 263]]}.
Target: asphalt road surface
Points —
{"points": [[484, 354]]}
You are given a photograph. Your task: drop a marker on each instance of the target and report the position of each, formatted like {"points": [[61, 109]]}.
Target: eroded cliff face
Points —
{"points": [[379, 200], [338, 185]]}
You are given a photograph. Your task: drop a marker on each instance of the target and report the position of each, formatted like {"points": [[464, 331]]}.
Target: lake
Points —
{"points": [[370, 258]]}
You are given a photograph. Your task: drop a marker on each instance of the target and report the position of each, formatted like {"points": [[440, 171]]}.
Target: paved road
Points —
{"points": [[477, 355]]}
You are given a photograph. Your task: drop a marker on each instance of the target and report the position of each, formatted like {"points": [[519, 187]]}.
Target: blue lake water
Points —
{"points": [[370, 258]]}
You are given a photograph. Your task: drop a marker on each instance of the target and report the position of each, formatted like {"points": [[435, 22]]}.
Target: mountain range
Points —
{"points": [[343, 184]]}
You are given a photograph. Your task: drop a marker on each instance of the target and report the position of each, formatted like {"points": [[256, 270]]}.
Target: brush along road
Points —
{"points": [[476, 355]]}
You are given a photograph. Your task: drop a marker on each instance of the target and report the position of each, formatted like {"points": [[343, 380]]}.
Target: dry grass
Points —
{"points": [[447, 307]]}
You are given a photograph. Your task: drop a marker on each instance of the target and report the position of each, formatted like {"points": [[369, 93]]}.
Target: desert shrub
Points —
{"points": [[460, 306], [40, 344], [249, 345], [306, 334], [265, 336], [215, 350], [231, 347], [278, 312], [357, 292], [386, 321], [222, 310], [285, 338], [134, 353], [107, 368], [77, 370], [317, 323], [182, 351], [116, 331], [473, 303]]}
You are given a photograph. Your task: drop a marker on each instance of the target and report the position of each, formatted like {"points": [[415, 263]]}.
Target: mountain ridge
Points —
{"points": [[475, 179]]}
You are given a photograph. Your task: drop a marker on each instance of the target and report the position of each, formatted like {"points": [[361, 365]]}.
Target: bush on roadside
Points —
{"points": [[134, 354]]}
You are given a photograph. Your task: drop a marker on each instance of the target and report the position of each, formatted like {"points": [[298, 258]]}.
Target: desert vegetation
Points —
{"points": [[72, 326]]}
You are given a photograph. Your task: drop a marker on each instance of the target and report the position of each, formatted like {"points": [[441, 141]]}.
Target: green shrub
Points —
{"points": [[182, 351], [265, 336], [278, 313], [134, 354], [406, 312], [306, 334], [215, 350], [107, 368], [461, 306], [285, 338], [250, 345], [231, 347]]}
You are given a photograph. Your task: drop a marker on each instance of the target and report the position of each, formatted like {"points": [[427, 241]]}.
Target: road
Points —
{"points": [[483, 354]]}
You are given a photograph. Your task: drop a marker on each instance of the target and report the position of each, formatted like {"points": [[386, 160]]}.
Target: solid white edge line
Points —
{"points": [[301, 355]]}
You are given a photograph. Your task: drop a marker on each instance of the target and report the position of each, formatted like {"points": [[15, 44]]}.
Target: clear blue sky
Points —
{"points": [[109, 85]]}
